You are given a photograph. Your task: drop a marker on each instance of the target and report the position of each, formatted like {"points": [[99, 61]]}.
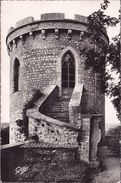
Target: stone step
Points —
{"points": [[57, 109], [60, 108], [60, 103], [63, 119], [65, 97], [67, 91], [58, 114], [64, 100]]}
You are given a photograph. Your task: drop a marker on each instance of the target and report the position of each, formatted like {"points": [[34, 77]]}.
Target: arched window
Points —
{"points": [[16, 74], [68, 70]]}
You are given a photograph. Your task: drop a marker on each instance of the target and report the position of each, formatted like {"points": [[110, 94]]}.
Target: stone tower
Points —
{"points": [[45, 56]]}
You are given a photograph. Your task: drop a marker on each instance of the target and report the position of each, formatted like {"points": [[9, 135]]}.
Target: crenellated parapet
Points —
{"points": [[24, 21], [55, 22]]}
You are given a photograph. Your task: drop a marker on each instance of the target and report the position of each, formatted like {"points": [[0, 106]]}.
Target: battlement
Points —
{"points": [[46, 17], [48, 21], [52, 16], [24, 21], [81, 18]]}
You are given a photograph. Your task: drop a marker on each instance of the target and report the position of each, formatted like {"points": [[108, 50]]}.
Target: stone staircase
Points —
{"points": [[60, 109]]}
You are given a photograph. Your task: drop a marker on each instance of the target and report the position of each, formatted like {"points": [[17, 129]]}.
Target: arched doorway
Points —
{"points": [[16, 74], [68, 70]]}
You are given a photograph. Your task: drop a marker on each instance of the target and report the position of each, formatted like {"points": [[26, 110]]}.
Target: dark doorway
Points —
{"points": [[16, 74], [68, 70]]}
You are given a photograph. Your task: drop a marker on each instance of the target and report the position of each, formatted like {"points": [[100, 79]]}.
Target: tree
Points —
{"points": [[114, 131], [99, 55], [113, 140], [114, 61]]}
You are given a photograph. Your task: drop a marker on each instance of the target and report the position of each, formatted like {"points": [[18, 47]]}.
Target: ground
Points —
{"points": [[111, 174]]}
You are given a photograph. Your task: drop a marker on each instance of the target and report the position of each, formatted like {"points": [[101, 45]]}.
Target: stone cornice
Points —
{"points": [[48, 21]]}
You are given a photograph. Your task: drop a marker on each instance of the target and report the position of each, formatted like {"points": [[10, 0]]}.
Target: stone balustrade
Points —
{"points": [[75, 105]]}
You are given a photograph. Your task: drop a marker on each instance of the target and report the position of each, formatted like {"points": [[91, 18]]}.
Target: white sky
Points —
{"points": [[13, 11]]}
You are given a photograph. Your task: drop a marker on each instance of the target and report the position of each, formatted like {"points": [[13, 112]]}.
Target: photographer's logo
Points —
{"points": [[21, 170]]}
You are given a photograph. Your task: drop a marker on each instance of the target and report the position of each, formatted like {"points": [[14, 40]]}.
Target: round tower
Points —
{"points": [[48, 52]]}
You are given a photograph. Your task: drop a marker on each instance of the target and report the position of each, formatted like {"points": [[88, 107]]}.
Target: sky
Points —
{"points": [[13, 11]]}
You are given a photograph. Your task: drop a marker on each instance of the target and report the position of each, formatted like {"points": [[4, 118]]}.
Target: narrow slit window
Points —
{"points": [[16, 74]]}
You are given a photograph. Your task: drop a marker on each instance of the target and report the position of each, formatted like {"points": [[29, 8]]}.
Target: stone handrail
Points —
{"points": [[75, 105], [52, 131], [7, 146], [34, 114], [47, 99]]}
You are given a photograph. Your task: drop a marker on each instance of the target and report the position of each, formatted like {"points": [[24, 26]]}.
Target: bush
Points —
{"points": [[88, 173], [114, 131], [28, 105], [112, 140]]}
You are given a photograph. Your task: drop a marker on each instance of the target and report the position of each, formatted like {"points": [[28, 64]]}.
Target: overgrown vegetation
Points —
{"points": [[113, 140], [88, 174], [22, 127], [81, 136], [99, 55], [23, 124], [116, 131], [30, 103]]}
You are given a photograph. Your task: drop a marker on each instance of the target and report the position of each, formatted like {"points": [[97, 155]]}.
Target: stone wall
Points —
{"points": [[38, 162], [33, 162], [52, 131]]}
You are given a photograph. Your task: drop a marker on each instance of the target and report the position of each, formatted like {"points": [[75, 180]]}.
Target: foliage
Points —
{"points": [[114, 91], [88, 174], [113, 141], [23, 124], [114, 61], [30, 103], [34, 137], [81, 136], [99, 55], [22, 127], [114, 54], [114, 131]]}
